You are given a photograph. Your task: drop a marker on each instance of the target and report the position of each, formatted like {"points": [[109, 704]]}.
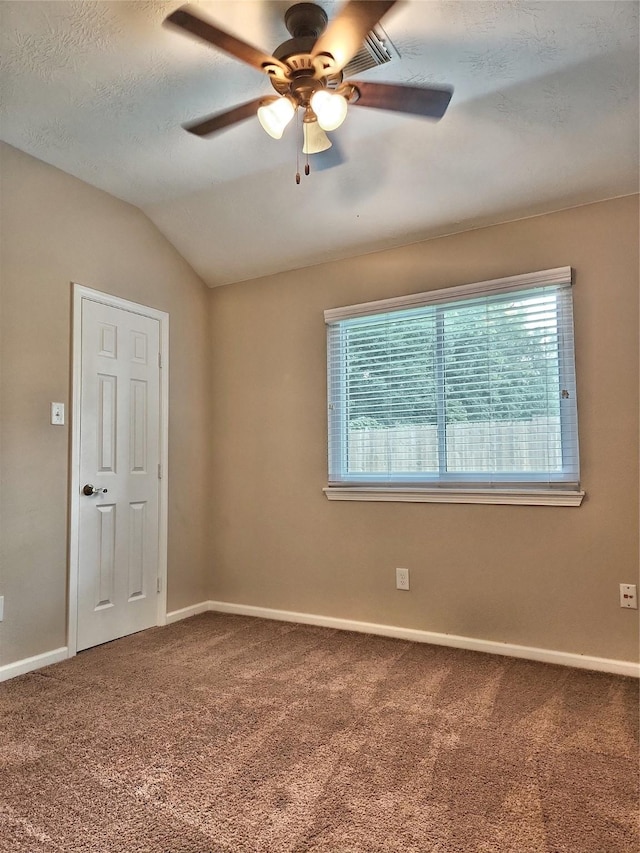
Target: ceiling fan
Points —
{"points": [[306, 73]]}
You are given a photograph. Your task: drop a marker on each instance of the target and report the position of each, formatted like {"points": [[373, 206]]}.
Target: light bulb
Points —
{"points": [[315, 139], [275, 116], [330, 108]]}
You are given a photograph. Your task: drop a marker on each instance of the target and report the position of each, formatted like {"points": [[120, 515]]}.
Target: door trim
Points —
{"points": [[79, 294]]}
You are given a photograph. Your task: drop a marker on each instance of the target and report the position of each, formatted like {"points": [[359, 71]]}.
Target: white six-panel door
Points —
{"points": [[118, 524]]}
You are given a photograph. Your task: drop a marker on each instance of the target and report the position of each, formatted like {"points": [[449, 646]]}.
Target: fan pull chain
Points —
{"points": [[298, 128], [300, 135], [306, 165]]}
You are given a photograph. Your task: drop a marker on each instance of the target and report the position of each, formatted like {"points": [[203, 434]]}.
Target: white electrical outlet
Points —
{"points": [[402, 578], [628, 596], [1, 607]]}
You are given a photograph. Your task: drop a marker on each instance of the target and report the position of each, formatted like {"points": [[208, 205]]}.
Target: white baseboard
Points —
{"points": [[617, 667], [185, 612], [20, 667]]}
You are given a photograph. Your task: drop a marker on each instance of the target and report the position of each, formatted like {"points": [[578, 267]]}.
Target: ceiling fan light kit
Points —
{"points": [[276, 115], [314, 138], [330, 108], [307, 73]]}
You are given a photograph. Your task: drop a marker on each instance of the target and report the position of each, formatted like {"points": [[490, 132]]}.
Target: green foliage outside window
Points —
{"points": [[488, 363]]}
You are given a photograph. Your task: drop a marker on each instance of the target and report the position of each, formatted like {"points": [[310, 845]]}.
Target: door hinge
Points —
{"points": [[159, 471], [159, 586], [159, 359]]}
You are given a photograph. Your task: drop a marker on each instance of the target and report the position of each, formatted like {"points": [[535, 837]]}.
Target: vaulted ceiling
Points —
{"points": [[544, 116]]}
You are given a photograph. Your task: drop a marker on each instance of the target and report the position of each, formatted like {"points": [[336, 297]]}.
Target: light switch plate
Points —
{"points": [[57, 414]]}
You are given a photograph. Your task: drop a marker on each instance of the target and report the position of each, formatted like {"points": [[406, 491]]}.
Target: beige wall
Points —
{"points": [[252, 356], [538, 576], [56, 229]]}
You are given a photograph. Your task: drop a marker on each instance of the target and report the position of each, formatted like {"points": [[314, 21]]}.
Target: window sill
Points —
{"points": [[522, 497]]}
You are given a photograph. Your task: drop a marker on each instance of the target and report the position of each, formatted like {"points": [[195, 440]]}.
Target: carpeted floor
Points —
{"points": [[226, 733]]}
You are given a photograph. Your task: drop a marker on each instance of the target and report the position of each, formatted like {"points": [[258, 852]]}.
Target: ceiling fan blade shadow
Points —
{"points": [[219, 121], [345, 34], [188, 21], [416, 100]]}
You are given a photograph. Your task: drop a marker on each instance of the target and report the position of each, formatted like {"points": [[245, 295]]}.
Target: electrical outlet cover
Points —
{"points": [[628, 596], [402, 578]]}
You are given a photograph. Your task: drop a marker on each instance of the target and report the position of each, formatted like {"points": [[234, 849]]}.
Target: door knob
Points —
{"points": [[93, 490]]}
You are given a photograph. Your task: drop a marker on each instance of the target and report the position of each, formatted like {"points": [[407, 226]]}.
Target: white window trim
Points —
{"points": [[520, 497], [443, 494], [558, 276]]}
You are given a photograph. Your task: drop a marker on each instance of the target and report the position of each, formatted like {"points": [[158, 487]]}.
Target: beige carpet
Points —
{"points": [[225, 733]]}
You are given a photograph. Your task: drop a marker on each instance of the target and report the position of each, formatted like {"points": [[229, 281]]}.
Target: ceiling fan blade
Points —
{"points": [[417, 100], [345, 34], [214, 123], [192, 23]]}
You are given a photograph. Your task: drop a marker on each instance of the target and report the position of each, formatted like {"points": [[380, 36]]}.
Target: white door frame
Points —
{"points": [[79, 293]]}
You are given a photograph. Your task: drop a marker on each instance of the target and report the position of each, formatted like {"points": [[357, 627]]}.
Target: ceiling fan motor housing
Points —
{"points": [[306, 22]]}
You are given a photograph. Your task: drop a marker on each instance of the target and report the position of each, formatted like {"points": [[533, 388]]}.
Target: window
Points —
{"points": [[465, 394]]}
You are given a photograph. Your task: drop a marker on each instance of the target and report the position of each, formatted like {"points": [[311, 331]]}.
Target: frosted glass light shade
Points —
{"points": [[330, 108], [315, 139], [275, 116]]}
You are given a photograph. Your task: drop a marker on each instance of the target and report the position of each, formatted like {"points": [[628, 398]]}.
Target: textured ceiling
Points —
{"points": [[544, 116]]}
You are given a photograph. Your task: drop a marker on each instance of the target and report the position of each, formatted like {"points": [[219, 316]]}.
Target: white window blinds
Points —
{"points": [[464, 387]]}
